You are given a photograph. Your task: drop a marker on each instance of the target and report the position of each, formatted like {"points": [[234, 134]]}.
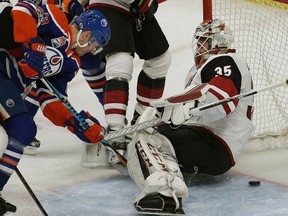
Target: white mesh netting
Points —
{"points": [[260, 29]]}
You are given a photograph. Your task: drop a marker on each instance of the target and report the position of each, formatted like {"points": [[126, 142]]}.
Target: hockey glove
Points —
{"points": [[34, 55], [72, 7], [144, 7], [91, 134]]}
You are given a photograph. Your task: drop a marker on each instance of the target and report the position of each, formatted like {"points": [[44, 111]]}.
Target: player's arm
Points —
{"points": [[224, 78], [25, 19], [58, 114]]}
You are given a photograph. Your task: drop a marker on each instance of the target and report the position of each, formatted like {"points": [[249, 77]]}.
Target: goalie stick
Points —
{"points": [[239, 96], [19, 174], [157, 121]]}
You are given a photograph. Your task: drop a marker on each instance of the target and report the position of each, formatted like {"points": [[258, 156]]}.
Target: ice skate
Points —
{"points": [[120, 145], [32, 148]]}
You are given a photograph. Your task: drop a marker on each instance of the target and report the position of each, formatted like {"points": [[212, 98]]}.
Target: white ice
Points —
{"points": [[65, 188]]}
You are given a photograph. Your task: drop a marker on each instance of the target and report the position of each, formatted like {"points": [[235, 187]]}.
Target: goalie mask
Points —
{"points": [[211, 37]]}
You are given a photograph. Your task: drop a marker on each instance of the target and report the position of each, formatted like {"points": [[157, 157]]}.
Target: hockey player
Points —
{"points": [[206, 142], [56, 58], [92, 66], [134, 30]]}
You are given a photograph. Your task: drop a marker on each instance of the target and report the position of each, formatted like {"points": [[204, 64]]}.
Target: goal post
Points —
{"points": [[260, 29]]}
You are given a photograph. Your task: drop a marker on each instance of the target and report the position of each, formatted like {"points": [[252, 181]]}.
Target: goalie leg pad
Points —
{"points": [[153, 167]]}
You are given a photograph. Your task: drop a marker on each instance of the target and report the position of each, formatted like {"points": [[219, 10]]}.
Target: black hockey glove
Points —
{"points": [[144, 9]]}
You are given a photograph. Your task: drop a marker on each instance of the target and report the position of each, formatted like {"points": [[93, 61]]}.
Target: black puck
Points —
{"points": [[254, 183]]}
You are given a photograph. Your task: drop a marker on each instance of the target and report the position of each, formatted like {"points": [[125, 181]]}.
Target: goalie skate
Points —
{"points": [[158, 205]]}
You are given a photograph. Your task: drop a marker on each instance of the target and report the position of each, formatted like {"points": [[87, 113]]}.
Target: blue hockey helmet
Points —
{"points": [[94, 21]]}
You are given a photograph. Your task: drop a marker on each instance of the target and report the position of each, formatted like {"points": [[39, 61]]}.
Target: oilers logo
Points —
{"points": [[53, 62]]}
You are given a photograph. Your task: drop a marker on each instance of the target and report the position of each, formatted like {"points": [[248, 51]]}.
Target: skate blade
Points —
{"points": [[158, 213], [29, 150]]}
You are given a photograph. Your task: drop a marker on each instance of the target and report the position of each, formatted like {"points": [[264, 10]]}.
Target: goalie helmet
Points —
{"points": [[211, 37], [96, 22]]}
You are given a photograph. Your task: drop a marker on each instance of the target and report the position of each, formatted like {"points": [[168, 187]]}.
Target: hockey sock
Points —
{"points": [[20, 129], [115, 102], [9, 160], [149, 89]]}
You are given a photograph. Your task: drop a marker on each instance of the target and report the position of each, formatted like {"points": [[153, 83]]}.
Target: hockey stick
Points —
{"points": [[32, 194], [80, 119], [21, 177], [238, 97], [157, 121]]}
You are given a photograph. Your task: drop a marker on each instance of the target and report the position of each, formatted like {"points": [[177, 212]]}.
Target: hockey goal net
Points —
{"points": [[260, 29]]}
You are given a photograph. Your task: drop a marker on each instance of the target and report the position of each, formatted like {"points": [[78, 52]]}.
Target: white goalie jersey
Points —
{"points": [[228, 75]]}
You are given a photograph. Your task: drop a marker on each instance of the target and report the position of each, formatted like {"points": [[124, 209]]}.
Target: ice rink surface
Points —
{"points": [[66, 189]]}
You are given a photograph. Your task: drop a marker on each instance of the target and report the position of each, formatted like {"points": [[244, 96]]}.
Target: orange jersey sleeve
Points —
{"points": [[57, 113], [25, 26]]}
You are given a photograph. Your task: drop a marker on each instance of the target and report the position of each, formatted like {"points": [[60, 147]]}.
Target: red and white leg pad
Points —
{"points": [[153, 166]]}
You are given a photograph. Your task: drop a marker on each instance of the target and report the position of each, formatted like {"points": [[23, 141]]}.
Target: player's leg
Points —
{"points": [[32, 105], [198, 150], [152, 46], [17, 123], [118, 53], [20, 129]]}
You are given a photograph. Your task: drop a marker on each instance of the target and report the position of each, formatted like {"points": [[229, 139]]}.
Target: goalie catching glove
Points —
{"points": [[176, 109], [91, 134], [34, 55]]}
